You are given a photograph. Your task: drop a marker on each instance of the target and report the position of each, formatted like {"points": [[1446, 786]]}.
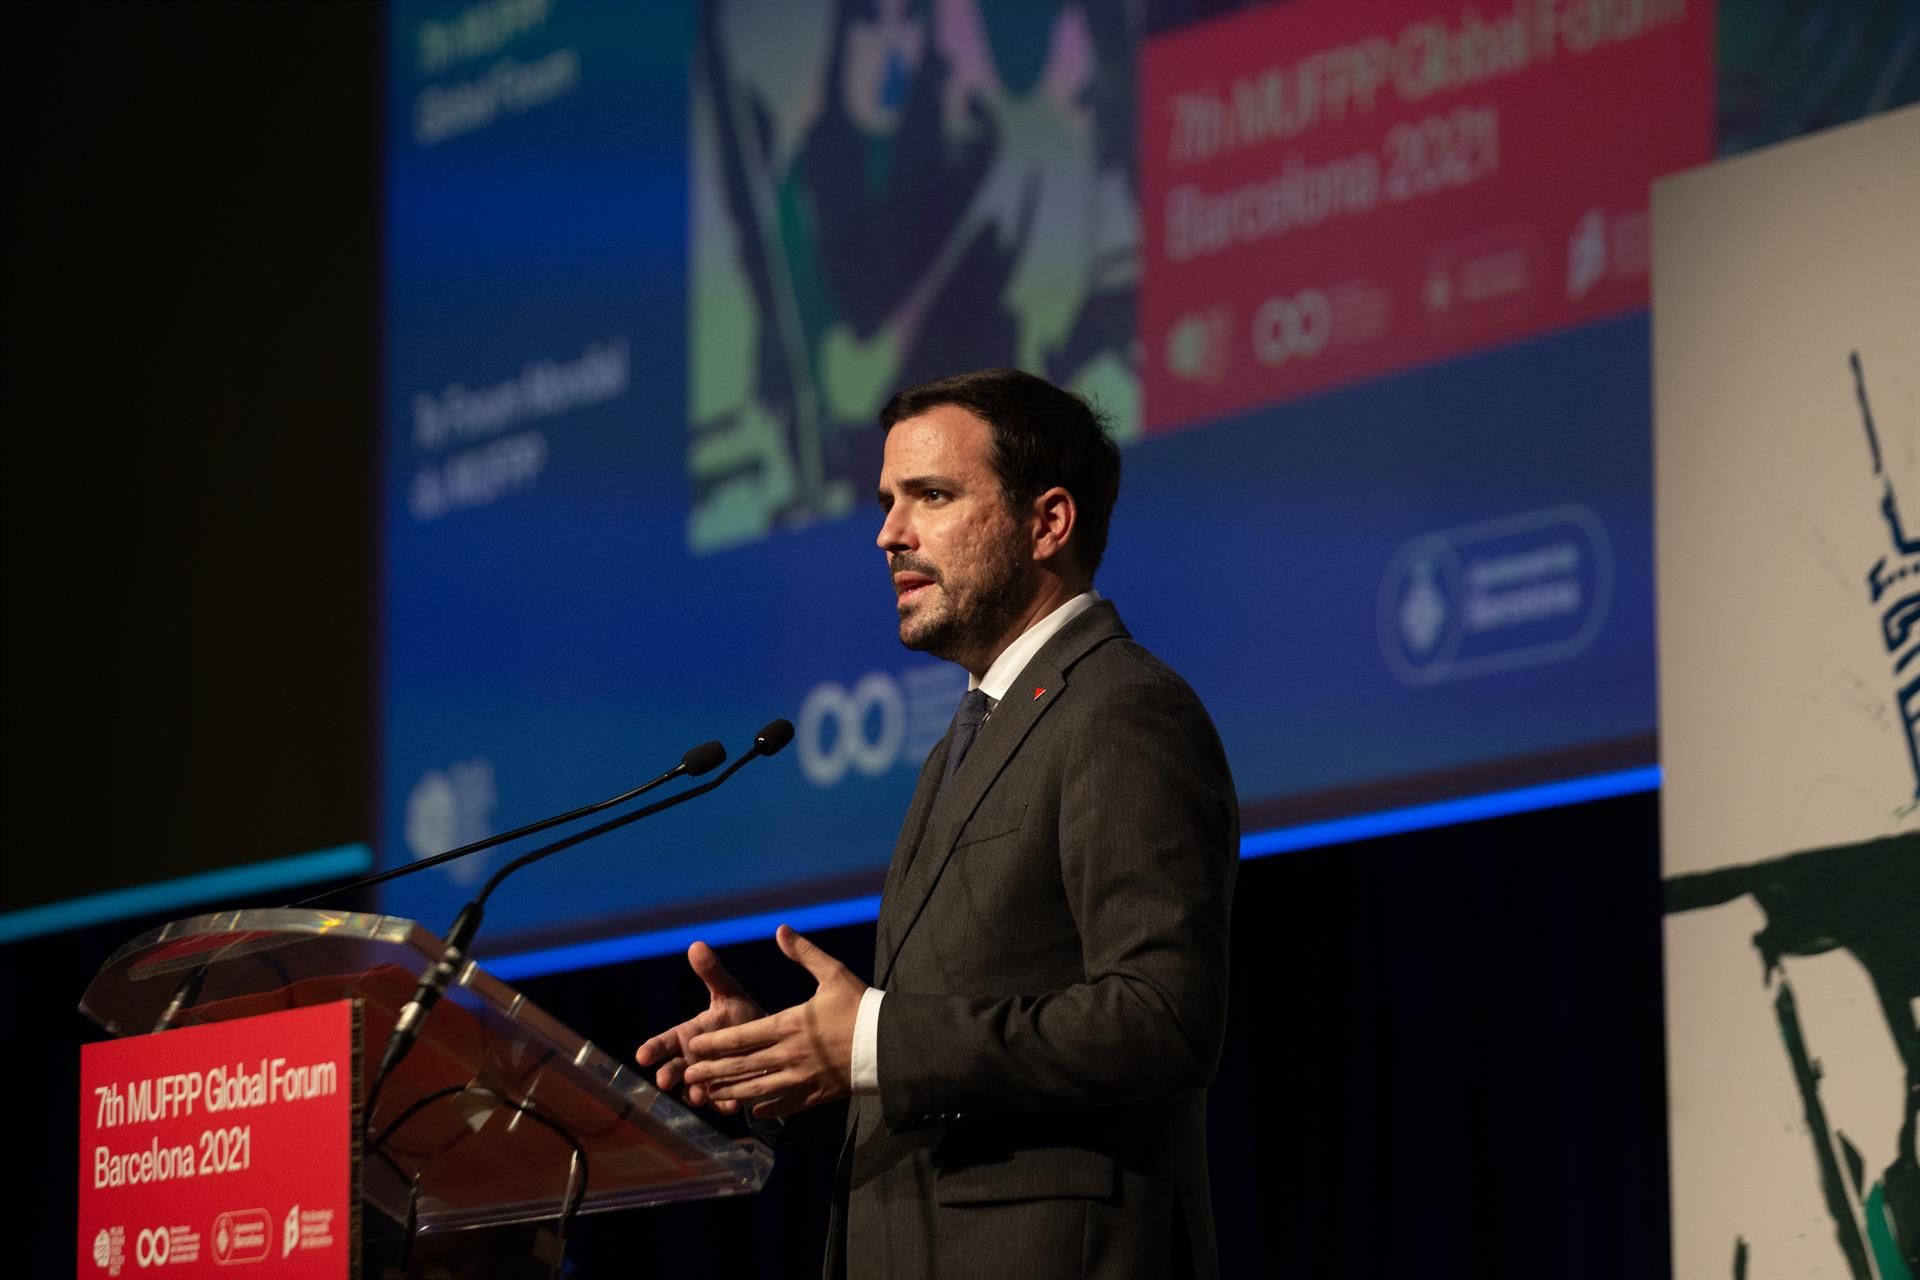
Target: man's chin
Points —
{"points": [[920, 633]]}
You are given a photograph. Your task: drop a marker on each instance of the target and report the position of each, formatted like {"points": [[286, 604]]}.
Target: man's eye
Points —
{"points": [[934, 495]]}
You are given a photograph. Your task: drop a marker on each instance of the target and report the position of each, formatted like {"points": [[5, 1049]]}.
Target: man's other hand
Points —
{"points": [[797, 1058], [729, 1006]]}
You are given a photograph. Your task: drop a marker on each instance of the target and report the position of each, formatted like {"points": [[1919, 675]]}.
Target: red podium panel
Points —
{"points": [[500, 1114], [225, 1149]]}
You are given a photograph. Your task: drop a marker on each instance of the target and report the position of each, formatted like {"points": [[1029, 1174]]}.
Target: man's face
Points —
{"points": [[960, 562]]}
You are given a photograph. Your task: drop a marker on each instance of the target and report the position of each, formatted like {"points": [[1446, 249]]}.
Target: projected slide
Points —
{"points": [[1367, 301]]}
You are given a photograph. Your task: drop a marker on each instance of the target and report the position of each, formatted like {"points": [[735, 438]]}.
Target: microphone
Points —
{"points": [[439, 976], [771, 740], [697, 760], [693, 762]]}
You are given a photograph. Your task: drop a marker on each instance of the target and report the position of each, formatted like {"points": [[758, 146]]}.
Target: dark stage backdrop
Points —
{"points": [[1444, 1059], [191, 299]]}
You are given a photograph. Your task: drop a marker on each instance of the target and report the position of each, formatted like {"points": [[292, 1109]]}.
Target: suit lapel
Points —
{"points": [[937, 824], [910, 833]]}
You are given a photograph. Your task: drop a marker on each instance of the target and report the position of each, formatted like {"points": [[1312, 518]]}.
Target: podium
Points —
{"points": [[500, 1113]]}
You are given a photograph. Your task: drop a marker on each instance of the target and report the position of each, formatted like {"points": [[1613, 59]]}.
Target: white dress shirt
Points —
{"points": [[999, 678]]}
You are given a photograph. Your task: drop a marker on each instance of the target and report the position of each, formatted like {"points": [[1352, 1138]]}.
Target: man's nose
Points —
{"points": [[896, 532]]}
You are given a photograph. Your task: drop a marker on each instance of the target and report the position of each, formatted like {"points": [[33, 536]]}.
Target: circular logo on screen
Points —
{"points": [[430, 815], [448, 808], [1419, 620], [1423, 610]]}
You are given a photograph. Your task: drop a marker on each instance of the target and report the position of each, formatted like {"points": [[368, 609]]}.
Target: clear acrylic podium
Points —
{"points": [[455, 1113]]}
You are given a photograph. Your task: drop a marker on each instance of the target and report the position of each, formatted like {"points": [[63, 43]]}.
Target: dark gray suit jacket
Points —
{"points": [[1053, 945]]}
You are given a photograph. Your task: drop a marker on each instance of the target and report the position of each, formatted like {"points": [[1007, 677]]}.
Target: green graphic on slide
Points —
{"points": [[888, 196]]}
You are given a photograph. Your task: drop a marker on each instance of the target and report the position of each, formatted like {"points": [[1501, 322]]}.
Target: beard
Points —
{"points": [[971, 610]]}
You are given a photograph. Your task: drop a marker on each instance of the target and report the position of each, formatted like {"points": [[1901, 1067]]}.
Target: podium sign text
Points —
{"points": [[222, 1150]]}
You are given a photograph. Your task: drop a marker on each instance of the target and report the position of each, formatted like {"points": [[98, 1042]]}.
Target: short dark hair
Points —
{"points": [[1042, 437]]}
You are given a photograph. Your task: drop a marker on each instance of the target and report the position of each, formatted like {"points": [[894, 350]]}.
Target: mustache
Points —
{"points": [[902, 562]]}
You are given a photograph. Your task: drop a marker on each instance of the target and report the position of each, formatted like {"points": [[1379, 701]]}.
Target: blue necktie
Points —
{"points": [[966, 724], [972, 713]]}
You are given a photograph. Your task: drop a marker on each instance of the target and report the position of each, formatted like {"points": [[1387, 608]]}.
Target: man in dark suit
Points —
{"points": [[1027, 1072]]}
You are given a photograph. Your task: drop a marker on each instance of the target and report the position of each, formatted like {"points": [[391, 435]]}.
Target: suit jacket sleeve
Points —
{"points": [[1146, 833]]}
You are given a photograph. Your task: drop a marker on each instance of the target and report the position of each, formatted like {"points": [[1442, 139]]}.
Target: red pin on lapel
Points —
{"points": [[1037, 691]]}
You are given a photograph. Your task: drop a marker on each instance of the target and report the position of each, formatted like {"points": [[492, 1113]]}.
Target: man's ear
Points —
{"points": [[1053, 520]]}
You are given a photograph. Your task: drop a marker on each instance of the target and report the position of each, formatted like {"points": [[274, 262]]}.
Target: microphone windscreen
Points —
{"points": [[698, 760], [775, 736]]}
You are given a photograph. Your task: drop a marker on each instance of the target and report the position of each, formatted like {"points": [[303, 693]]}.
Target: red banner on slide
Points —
{"points": [[221, 1150], [1334, 190]]}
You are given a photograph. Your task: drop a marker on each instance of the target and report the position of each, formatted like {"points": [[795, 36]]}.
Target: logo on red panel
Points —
{"points": [[241, 1236], [110, 1249]]}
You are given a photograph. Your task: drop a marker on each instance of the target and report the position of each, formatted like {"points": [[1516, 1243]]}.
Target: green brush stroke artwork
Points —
{"points": [[1863, 899]]}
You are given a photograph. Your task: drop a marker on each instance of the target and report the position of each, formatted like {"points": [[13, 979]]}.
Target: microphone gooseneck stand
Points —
{"points": [[696, 761], [441, 974]]}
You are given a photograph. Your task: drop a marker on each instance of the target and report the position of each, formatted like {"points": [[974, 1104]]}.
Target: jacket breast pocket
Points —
{"points": [[991, 822], [1029, 1173]]}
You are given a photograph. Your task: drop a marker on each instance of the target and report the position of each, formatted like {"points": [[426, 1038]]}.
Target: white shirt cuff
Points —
{"points": [[866, 1043]]}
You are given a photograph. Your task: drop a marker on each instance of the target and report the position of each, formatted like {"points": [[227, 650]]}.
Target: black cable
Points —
{"points": [[576, 1194]]}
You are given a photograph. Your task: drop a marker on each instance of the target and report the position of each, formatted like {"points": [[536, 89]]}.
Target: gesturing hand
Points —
{"points": [[799, 1057], [729, 1006]]}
